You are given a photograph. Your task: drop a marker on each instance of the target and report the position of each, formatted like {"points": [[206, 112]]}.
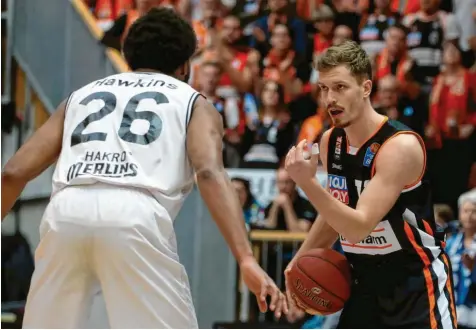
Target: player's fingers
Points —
{"points": [[273, 291], [263, 306], [285, 306], [279, 306], [315, 153], [300, 150]]}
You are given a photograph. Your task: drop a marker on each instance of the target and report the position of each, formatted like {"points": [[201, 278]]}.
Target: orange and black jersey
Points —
{"points": [[405, 249]]}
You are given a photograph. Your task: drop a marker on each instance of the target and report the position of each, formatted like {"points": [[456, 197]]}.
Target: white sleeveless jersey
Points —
{"points": [[129, 130]]}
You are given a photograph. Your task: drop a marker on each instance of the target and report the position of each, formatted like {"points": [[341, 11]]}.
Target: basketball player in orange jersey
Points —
{"points": [[377, 203], [126, 149]]}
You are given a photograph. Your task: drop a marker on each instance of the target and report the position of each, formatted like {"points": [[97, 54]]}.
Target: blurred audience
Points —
{"points": [[253, 212], [269, 136], [289, 211], [461, 249]]}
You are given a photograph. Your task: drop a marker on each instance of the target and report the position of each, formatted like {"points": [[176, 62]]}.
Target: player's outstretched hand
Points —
{"points": [[299, 165], [262, 286]]}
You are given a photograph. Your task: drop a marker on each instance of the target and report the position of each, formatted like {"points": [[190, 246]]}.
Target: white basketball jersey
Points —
{"points": [[129, 130]]}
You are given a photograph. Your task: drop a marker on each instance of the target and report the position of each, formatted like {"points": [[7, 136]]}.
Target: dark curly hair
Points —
{"points": [[160, 40]]}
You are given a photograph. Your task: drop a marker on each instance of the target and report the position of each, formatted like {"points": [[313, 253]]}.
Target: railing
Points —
{"points": [[273, 250]]}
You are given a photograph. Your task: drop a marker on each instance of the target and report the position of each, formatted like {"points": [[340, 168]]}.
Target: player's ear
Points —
{"points": [[367, 86]]}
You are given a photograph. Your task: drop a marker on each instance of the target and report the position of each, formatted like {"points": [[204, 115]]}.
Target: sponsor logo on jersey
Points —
{"points": [[337, 167], [103, 164], [370, 153], [338, 188], [337, 149], [382, 240]]}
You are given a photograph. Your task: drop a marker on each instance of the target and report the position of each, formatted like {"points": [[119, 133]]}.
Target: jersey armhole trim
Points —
{"points": [[422, 143], [190, 106], [331, 130], [68, 101]]}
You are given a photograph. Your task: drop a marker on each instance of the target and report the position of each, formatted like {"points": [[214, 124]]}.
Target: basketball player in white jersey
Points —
{"points": [[127, 147]]}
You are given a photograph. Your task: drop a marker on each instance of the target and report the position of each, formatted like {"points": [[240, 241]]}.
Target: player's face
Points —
{"points": [[467, 215], [342, 95]]}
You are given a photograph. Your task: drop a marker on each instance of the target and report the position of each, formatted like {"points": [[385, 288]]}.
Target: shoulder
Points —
{"points": [[402, 156]]}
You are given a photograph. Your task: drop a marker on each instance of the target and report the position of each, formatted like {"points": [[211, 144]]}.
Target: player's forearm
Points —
{"points": [[348, 222], [220, 198], [11, 190], [321, 235]]}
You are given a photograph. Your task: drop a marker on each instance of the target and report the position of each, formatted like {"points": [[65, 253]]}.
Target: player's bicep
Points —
{"points": [[40, 151], [204, 137], [398, 164]]}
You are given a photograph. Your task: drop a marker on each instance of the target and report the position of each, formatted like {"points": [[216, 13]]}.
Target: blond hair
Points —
{"points": [[350, 54]]}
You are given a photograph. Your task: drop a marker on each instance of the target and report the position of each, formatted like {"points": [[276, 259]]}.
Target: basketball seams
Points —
{"points": [[333, 264]]}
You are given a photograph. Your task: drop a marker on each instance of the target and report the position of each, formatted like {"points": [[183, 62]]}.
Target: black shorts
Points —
{"points": [[423, 302]]}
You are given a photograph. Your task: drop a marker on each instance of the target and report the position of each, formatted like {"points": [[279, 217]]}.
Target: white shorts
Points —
{"points": [[117, 240]]}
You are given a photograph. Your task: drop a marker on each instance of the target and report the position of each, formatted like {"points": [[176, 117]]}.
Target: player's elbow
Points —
{"points": [[209, 173], [12, 173]]}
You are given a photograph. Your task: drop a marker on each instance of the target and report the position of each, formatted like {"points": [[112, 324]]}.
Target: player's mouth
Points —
{"points": [[334, 112]]}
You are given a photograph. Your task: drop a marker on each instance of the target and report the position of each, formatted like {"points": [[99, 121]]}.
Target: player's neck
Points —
{"points": [[364, 127]]}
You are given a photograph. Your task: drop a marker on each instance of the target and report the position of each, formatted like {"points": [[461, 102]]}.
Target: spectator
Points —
{"points": [[341, 34], [395, 60], [429, 27], [253, 212], [210, 21], [313, 127], [406, 7], [234, 58], [461, 249], [106, 11], [444, 218], [279, 14], [392, 103], [450, 132], [115, 35], [289, 211], [347, 13], [324, 24], [464, 11], [267, 140], [234, 118], [285, 66], [373, 27]]}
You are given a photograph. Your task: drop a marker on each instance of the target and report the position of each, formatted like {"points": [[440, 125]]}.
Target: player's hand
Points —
{"points": [[293, 302], [300, 167], [262, 286]]}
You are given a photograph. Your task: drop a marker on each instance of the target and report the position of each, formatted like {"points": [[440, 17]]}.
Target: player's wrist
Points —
{"points": [[246, 260]]}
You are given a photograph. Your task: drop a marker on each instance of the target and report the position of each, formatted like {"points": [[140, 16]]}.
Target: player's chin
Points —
{"points": [[340, 123]]}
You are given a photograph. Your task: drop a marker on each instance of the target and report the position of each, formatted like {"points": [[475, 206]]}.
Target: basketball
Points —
{"points": [[320, 280]]}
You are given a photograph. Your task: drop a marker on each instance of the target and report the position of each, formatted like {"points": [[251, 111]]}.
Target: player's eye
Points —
{"points": [[340, 87], [324, 88]]}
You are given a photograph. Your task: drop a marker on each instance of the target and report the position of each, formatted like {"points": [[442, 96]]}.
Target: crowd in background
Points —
{"points": [[254, 63]]}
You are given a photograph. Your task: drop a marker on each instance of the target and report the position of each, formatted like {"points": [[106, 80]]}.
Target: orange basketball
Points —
{"points": [[320, 281]]}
